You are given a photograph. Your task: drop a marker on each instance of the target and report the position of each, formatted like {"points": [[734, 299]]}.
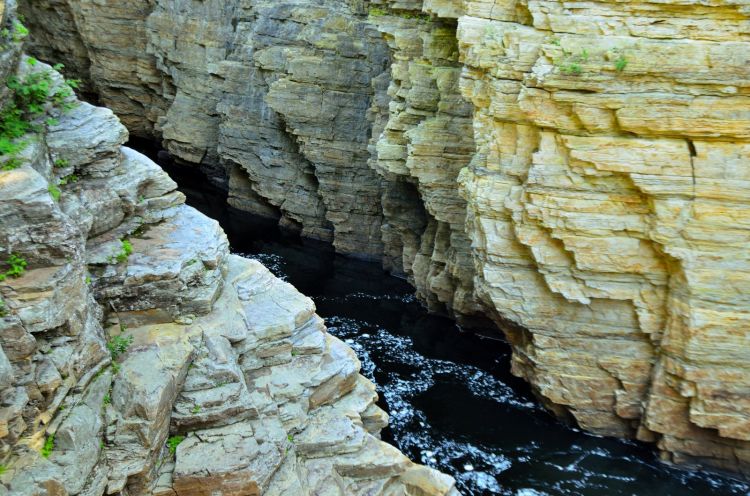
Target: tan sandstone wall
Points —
{"points": [[608, 209]]}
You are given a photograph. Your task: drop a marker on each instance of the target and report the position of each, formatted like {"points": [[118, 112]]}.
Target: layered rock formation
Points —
{"points": [[607, 210], [137, 356], [573, 171]]}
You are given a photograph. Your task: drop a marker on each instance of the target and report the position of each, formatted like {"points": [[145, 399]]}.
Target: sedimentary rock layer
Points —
{"points": [[574, 171], [607, 211], [138, 357]]}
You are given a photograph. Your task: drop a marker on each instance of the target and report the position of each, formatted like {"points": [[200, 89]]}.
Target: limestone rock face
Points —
{"points": [[574, 171], [137, 356]]}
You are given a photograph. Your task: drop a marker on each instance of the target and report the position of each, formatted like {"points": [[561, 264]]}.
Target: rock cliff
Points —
{"points": [[577, 172], [137, 356]]}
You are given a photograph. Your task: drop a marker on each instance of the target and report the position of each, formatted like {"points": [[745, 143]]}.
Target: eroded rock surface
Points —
{"points": [[576, 172], [137, 356]]}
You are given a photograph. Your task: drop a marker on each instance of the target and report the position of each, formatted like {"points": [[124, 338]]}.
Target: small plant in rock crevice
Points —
{"points": [[20, 32], [571, 64], [621, 63], [118, 345], [49, 445], [54, 191], [3, 309], [173, 442], [16, 267], [126, 249], [70, 178]]}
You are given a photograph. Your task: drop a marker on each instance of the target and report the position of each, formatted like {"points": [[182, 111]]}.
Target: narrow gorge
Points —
{"points": [[572, 175]]}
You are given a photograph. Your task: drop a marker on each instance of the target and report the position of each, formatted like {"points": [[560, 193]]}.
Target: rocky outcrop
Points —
{"points": [[137, 356], [572, 171]]}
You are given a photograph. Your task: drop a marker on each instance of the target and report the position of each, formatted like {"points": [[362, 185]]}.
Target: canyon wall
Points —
{"points": [[137, 356], [577, 172]]}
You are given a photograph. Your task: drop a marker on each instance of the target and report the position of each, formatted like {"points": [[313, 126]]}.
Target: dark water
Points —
{"points": [[454, 405]]}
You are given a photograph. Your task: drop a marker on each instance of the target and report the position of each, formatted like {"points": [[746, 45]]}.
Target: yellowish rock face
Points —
{"points": [[608, 210]]}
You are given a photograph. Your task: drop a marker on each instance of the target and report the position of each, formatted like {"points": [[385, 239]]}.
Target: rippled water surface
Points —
{"points": [[452, 401]]}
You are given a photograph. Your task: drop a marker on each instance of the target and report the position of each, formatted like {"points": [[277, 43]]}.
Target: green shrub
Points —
{"points": [[32, 92], [19, 31], [60, 163], [16, 267], [30, 95], [119, 345], [173, 442]]}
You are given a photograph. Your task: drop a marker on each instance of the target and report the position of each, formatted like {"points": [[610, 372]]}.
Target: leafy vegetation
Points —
{"points": [[126, 249], [60, 163], [49, 445], [196, 409], [30, 95], [378, 12], [70, 178], [571, 64], [19, 32], [3, 309], [16, 267], [107, 400], [173, 442], [54, 191], [119, 345]]}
